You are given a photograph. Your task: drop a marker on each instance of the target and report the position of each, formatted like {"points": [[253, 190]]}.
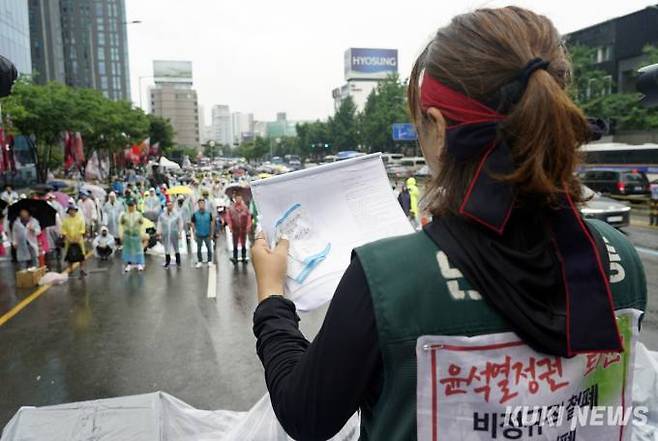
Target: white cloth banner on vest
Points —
{"points": [[497, 387]]}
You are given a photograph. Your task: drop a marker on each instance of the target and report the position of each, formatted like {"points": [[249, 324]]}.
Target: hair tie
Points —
{"points": [[512, 92], [532, 66]]}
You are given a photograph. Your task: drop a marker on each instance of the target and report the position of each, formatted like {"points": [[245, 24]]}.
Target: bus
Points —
{"points": [[643, 158]]}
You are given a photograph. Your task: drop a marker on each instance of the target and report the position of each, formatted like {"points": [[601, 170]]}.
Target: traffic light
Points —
{"points": [[8, 75], [647, 85]]}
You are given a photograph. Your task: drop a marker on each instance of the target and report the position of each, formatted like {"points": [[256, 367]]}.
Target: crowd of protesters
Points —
{"points": [[125, 221]]}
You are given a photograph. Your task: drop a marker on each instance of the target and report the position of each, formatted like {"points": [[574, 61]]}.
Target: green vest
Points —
{"points": [[416, 292]]}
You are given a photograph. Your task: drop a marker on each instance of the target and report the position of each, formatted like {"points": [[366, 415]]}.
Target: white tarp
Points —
{"points": [[166, 163], [151, 417], [161, 417]]}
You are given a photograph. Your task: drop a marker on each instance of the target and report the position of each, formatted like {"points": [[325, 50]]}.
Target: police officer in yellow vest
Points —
{"points": [[508, 316]]}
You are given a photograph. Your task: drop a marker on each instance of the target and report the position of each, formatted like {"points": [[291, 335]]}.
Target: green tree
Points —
{"points": [[43, 112], [594, 91], [343, 126], [385, 106], [313, 139], [254, 150], [109, 126], [161, 131], [47, 111]]}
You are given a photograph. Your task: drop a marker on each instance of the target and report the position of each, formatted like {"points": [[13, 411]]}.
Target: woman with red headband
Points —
{"points": [[508, 298]]}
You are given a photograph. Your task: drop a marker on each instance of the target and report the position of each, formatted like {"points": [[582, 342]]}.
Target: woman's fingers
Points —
{"points": [[281, 248]]}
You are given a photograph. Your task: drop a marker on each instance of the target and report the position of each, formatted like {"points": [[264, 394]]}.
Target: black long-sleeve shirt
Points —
{"points": [[316, 387]]}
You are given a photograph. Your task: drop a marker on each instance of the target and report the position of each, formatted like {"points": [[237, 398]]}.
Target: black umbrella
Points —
{"points": [[39, 209]]}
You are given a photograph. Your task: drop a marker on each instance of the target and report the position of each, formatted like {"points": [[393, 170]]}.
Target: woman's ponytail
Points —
{"points": [[545, 129]]}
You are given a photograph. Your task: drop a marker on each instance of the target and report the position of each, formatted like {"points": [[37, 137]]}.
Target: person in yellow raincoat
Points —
{"points": [[414, 194], [73, 231]]}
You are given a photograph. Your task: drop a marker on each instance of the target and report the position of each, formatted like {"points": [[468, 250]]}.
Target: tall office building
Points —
{"points": [[81, 42], [15, 34], [222, 130], [242, 126], [173, 98], [46, 41]]}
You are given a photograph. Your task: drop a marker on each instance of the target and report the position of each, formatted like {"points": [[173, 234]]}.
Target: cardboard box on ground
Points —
{"points": [[29, 278]]}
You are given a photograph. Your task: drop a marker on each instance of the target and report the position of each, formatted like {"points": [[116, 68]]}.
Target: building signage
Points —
{"points": [[166, 71], [361, 63]]}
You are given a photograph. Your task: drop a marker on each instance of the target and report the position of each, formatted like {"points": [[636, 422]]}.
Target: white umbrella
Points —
{"points": [[96, 191]]}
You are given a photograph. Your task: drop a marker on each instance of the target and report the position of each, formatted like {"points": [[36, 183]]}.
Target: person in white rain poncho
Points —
{"points": [[24, 234], [104, 244], [185, 210], [170, 225], [111, 213], [152, 206], [89, 212]]}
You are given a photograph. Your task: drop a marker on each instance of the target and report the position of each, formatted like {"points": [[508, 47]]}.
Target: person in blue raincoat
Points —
{"points": [[170, 225]]}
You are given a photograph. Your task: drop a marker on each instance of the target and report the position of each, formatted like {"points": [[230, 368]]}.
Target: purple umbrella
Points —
{"points": [[62, 198]]}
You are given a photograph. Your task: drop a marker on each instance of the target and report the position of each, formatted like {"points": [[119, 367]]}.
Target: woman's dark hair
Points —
{"points": [[477, 54]]}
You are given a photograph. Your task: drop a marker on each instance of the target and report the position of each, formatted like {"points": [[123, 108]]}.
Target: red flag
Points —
{"points": [[78, 149], [69, 158], [154, 151], [8, 154], [2, 149]]}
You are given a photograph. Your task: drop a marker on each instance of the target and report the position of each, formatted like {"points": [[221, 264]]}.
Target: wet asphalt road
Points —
{"points": [[116, 334]]}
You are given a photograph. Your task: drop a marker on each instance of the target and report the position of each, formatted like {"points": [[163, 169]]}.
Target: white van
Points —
{"points": [[413, 163], [392, 158]]}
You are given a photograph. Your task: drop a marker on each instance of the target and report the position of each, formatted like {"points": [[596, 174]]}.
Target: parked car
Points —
{"points": [[616, 182], [606, 209]]}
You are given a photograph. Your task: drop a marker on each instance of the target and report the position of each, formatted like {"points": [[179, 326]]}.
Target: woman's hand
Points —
{"points": [[270, 266]]}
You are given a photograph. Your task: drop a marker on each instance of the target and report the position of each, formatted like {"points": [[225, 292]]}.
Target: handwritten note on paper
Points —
{"points": [[347, 203]]}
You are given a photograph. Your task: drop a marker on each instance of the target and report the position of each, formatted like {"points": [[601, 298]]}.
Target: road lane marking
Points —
{"points": [[648, 251], [212, 281], [35, 295]]}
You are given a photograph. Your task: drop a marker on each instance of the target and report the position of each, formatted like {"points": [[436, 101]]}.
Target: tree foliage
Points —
{"points": [[594, 91], [386, 105], [45, 112], [343, 126], [161, 131], [256, 149]]}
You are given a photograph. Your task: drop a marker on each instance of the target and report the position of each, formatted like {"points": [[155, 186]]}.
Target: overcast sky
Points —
{"points": [[268, 56]]}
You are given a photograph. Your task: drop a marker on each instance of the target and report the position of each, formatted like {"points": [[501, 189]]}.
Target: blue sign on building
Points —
{"points": [[362, 63], [404, 132]]}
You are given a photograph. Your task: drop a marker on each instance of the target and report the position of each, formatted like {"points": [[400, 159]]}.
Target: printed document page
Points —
{"points": [[327, 211]]}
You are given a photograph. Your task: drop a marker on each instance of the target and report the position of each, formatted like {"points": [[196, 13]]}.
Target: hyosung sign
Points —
{"points": [[370, 64]]}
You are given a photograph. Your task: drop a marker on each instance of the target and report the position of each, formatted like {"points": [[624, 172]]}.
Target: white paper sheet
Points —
{"points": [[350, 203]]}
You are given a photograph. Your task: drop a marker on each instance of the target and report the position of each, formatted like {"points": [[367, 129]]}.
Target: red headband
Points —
{"points": [[453, 105]]}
